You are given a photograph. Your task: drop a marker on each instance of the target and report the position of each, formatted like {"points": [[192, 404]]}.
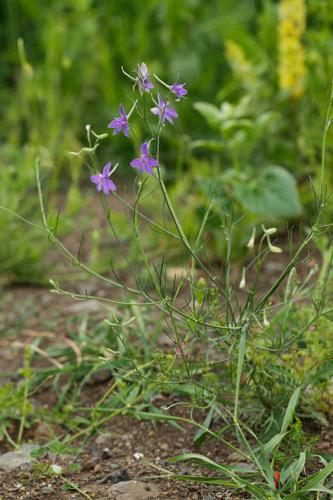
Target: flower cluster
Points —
{"points": [[291, 69], [120, 124]]}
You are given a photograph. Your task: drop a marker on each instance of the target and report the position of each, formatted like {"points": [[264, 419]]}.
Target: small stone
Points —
{"points": [[47, 489], [106, 453], [116, 477], [99, 376], [14, 460], [113, 466], [164, 447], [235, 456], [134, 490], [98, 468]]}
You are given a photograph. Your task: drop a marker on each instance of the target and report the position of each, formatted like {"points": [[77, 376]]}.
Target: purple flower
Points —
{"points": [[120, 124], [146, 162], [143, 81], [102, 180], [179, 90], [163, 110]]}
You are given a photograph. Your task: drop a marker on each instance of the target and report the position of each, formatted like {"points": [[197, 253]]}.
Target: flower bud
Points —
{"points": [[269, 231], [242, 283], [264, 319], [252, 239]]}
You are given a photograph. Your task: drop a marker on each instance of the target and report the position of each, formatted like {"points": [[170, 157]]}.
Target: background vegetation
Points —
{"points": [[258, 91]]}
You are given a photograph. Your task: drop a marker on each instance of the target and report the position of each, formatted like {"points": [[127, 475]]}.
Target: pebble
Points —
{"points": [[235, 456], [98, 468], [134, 490], [106, 453], [99, 376], [14, 460]]}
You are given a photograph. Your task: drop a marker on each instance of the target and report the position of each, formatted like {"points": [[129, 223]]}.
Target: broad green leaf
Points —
{"points": [[209, 144], [272, 193], [211, 113]]}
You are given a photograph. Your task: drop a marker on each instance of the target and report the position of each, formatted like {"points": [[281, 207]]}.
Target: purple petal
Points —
{"points": [[106, 169], [125, 129], [155, 110], [170, 114], [143, 70], [178, 89], [116, 123], [144, 148], [161, 103], [122, 111], [147, 168], [152, 162], [96, 179], [147, 84], [136, 163], [110, 185]]}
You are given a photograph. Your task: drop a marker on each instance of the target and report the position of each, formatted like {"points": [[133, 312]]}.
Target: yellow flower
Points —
{"points": [[291, 69], [239, 64]]}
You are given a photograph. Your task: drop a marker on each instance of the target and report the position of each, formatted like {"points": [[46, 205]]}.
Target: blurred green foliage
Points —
{"points": [[60, 70]]}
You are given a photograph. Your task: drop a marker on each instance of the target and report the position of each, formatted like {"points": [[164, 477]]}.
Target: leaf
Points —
{"points": [[294, 470], [240, 362], [200, 459], [290, 410], [270, 446], [316, 480], [211, 113], [273, 193], [201, 433], [209, 144]]}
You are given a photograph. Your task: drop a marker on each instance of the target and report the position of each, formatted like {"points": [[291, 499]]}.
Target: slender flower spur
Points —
{"points": [[164, 111], [145, 162], [143, 81], [102, 180], [176, 88], [120, 124]]}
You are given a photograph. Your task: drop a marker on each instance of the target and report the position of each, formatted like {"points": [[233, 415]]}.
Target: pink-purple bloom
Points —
{"points": [[179, 90], [102, 180], [164, 111], [145, 162], [120, 124], [144, 83]]}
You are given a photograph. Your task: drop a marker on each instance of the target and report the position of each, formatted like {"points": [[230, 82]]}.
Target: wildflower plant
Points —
{"points": [[209, 316]]}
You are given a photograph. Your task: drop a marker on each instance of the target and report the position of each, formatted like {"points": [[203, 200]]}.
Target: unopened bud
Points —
{"points": [[242, 283], [269, 231], [252, 239], [273, 248]]}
